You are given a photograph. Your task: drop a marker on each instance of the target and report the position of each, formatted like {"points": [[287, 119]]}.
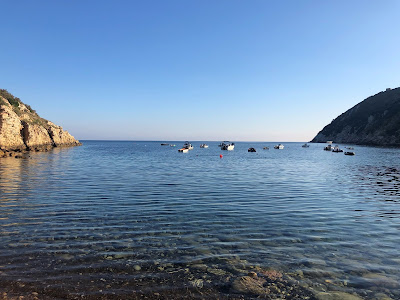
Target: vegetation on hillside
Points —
{"points": [[377, 117], [31, 117]]}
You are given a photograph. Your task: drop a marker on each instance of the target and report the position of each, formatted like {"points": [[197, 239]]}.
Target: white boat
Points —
{"points": [[227, 146], [329, 142], [183, 150], [203, 146], [337, 149], [279, 146], [188, 145], [328, 148]]}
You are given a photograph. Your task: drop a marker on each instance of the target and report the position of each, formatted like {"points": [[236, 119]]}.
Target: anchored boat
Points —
{"points": [[188, 146], [349, 153], [336, 149], [227, 146]]}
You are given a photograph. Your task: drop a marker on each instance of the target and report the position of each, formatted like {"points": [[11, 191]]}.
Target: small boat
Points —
{"points": [[349, 153], [203, 146], [188, 145], [350, 148], [306, 145], [328, 148], [329, 142], [279, 146], [336, 149], [227, 146], [164, 144], [266, 148], [183, 150], [172, 145], [251, 150]]}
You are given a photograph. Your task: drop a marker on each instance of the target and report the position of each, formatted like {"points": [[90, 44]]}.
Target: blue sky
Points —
{"points": [[197, 70]]}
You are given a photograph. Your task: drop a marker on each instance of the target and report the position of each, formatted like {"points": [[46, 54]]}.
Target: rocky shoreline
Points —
{"points": [[23, 130], [222, 278], [197, 281], [5, 153]]}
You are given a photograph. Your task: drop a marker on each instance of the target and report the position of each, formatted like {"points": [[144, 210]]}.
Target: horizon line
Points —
{"points": [[111, 140]]}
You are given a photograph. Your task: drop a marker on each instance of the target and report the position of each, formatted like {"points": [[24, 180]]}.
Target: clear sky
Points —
{"points": [[197, 70]]}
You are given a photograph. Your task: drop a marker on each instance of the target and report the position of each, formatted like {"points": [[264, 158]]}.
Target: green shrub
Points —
{"points": [[11, 99], [30, 109]]}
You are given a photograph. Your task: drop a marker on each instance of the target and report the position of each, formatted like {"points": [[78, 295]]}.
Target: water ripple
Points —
{"points": [[118, 215]]}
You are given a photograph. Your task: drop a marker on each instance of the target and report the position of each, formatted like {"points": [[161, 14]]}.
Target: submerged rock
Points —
{"points": [[250, 285], [374, 279], [197, 283], [218, 272], [337, 296]]}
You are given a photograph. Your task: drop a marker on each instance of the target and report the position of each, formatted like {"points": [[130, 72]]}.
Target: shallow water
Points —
{"points": [[126, 219]]}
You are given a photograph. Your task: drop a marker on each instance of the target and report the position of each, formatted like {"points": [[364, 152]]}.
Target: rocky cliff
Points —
{"points": [[21, 128], [374, 121]]}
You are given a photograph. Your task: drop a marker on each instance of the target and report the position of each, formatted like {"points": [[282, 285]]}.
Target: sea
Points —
{"points": [[138, 220]]}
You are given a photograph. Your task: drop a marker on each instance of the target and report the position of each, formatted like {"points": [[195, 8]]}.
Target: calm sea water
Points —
{"points": [[126, 219]]}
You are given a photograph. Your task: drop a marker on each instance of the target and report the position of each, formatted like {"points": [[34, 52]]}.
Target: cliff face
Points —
{"points": [[374, 121], [21, 128]]}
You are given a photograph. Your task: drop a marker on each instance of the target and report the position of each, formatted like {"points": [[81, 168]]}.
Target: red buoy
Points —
{"points": [[221, 156]]}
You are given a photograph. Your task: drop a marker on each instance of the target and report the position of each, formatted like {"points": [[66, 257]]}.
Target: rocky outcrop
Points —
{"points": [[21, 128], [36, 137], [61, 137], [10, 129], [374, 121]]}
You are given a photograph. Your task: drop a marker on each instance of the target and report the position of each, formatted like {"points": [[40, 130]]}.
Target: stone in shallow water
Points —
{"points": [[381, 296], [66, 256], [197, 283], [381, 280], [249, 285], [252, 274], [336, 296], [199, 266], [299, 273], [137, 268], [271, 274], [217, 272]]}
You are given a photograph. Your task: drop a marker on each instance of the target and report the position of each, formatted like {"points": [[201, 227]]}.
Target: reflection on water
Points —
{"points": [[132, 219]]}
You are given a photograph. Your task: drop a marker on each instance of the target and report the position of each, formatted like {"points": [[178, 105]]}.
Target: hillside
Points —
{"points": [[374, 121], [22, 129]]}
